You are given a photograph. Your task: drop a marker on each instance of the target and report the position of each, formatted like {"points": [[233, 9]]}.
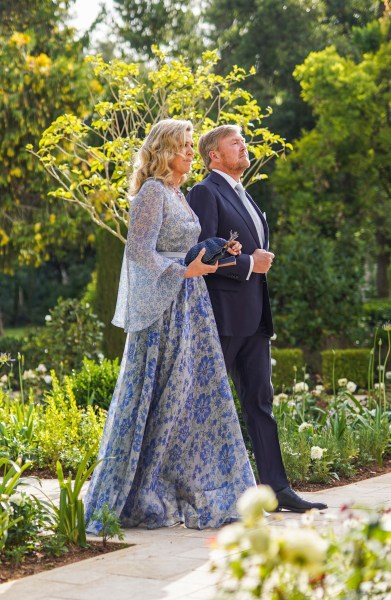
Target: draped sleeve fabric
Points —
{"points": [[150, 282]]}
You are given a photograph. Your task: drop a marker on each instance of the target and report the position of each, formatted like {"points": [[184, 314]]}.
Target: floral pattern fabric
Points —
{"points": [[172, 448]]}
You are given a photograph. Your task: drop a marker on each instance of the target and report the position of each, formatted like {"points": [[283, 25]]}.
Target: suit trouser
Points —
{"points": [[248, 362]]}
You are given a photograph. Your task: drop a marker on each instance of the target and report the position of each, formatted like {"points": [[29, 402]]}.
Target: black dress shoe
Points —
{"points": [[289, 500]]}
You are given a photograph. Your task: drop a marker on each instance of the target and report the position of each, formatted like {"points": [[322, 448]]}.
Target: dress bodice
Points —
{"points": [[159, 221]]}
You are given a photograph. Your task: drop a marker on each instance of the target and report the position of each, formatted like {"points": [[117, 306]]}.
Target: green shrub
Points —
{"points": [[66, 432], [94, 383], [351, 364], [377, 312], [10, 344], [289, 361], [72, 332]]}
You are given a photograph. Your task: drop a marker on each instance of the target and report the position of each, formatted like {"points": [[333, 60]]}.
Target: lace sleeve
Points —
{"points": [[149, 282]]}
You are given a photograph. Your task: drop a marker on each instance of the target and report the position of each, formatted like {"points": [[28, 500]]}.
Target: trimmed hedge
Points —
{"points": [[351, 363], [283, 373], [94, 383]]}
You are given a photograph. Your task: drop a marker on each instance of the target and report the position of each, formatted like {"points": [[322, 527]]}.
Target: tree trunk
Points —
{"points": [[383, 267], [109, 253]]}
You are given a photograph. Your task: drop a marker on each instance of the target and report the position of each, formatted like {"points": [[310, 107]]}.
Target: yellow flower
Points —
{"points": [[20, 39]]}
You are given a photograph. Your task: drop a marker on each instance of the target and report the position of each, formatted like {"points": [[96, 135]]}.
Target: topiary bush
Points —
{"points": [[95, 382], [288, 363], [351, 364]]}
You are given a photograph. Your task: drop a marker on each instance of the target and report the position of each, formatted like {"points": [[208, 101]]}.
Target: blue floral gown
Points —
{"points": [[172, 447]]}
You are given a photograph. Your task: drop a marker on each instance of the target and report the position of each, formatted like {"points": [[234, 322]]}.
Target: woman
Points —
{"points": [[172, 446]]}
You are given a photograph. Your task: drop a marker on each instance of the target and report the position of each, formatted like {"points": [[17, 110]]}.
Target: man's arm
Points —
{"points": [[204, 204]]}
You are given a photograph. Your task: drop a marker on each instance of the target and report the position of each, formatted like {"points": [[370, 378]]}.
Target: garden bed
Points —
{"points": [[366, 472], [38, 562]]}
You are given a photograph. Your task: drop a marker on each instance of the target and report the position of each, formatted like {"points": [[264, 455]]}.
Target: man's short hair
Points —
{"points": [[210, 141]]}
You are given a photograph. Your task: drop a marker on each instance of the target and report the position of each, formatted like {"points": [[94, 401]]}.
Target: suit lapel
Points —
{"points": [[231, 196]]}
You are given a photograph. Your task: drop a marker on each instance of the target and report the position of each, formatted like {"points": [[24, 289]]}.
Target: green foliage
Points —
{"points": [[337, 182], [72, 331], [66, 432], [91, 161], [10, 479], [376, 313], [71, 524], [288, 362], [110, 523], [33, 517], [94, 383], [311, 276], [29, 293], [18, 425], [164, 23], [11, 345], [351, 364], [47, 77]]}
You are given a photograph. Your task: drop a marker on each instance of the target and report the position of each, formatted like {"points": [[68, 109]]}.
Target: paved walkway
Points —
{"points": [[167, 564]]}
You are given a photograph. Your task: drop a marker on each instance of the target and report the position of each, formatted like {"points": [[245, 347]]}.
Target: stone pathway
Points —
{"points": [[168, 564]]}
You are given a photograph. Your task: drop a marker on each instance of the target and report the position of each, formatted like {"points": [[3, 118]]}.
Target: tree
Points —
{"points": [[337, 182], [164, 23], [91, 161], [41, 75], [275, 37]]}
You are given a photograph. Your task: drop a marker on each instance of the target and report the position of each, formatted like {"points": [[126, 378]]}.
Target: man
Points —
{"points": [[240, 299]]}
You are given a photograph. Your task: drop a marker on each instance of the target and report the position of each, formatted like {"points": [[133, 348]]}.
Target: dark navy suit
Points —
{"points": [[243, 316]]}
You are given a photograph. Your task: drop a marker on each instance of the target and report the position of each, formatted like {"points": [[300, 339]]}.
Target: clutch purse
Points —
{"points": [[215, 251]]}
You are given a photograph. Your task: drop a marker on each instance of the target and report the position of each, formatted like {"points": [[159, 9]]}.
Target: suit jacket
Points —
{"points": [[240, 306]]}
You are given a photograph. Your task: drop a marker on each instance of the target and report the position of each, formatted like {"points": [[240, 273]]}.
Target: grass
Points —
{"points": [[19, 332]]}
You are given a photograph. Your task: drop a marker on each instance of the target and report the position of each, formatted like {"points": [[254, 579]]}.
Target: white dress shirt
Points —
{"points": [[257, 221]]}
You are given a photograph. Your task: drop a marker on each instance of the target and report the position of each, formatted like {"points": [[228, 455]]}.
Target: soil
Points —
{"points": [[38, 562], [367, 472]]}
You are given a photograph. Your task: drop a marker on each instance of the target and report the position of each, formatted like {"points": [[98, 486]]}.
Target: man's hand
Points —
{"points": [[262, 260]]}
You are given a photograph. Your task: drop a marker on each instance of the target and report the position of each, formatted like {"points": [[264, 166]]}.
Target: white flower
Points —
{"points": [[342, 382], [319, 388], [4, 379], [48, 318], [29, 375], [259, 539], [307, 376], [252, 504], [47, 379], [351, 387], [231, 535], [379, 386], [380, 368], [273, 362], [303, 548], [317, 452], [316, 392], [41, 368], [291, 404], [18, 498], [301, 386], [280, 398], [304, 426], [274, 337]]}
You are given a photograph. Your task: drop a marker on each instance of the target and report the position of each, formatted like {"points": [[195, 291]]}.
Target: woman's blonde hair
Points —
{"points": [[162, 144]]}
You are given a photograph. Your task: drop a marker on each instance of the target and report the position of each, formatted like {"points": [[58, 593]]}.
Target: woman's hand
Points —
{"points": [[197, 268], [234, 248]]}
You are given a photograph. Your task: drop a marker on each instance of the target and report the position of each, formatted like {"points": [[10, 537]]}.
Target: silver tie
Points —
{"points": [[252, 212]]}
